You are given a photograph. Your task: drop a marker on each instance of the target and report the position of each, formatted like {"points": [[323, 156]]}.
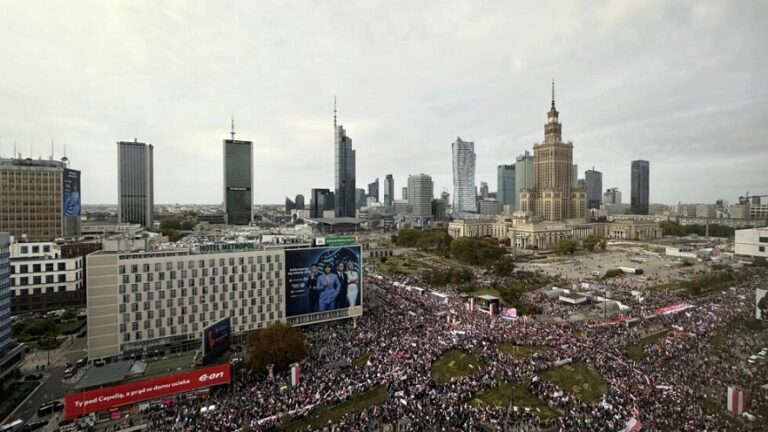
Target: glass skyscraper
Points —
{"points": [[594, 181], [524, 177], [344, 157], [464, 189], [389, 190], [639, 197], [135, 183], [238, 181], [506, 190]]}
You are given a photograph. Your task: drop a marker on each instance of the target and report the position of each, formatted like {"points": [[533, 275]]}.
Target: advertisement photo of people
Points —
{"points": [[322, 279]]}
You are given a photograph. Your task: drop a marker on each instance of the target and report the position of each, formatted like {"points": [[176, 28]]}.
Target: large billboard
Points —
{"points": [[71, 191], [216, 339], [323, 279], [761, 304], [78, 404]]}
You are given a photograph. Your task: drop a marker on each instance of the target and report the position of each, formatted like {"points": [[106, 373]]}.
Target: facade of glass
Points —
{"points": [[135, 183], [506, 185], [639, 198], [238, 182]]}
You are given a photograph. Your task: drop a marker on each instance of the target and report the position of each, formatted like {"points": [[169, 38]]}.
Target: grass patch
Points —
{"points": [[517, 395], [356, 403], [636, 349], [362, 360], [160, 367], [578, 379], [402, 265], [13, 395], [520, 351], [455, 363]]}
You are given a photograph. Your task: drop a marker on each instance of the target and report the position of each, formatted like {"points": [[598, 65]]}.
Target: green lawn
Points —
{"points": [[520, 351], [402, 265], [455, 363], [356, 403], [636, 349], [578, 379], [169, 365], [13, 395], [362, 360], [507, 394]]}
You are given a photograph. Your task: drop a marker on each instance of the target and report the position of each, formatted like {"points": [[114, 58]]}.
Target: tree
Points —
{"points": [[170, 223], [504, 266], [591, 241], [188, 224], [565, 246], [603, 244], [759, 262], [669, 228], [481, 252], [279, 344]]}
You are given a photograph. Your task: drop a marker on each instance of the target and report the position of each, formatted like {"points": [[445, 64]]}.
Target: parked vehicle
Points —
{"points": [[82, 362], [99, 362], [69, 372], [33, 426], [49, 408], [33, 377]]}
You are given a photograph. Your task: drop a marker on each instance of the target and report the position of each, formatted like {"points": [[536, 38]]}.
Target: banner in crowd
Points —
{"points": [[78, 404], [616, 321], [666, 310], [737, 400], [761, 303], [632, 425], [510, 313], [295, 374]]}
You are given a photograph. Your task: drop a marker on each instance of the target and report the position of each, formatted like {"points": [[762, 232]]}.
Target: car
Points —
{"points": [[49, 408], [35, 425], [33, 377], [82, 362], [69, 372], [99, 362]]}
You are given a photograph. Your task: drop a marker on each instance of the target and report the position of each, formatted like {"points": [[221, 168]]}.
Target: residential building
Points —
{"points": [[758, 211], [389, 190], [344, 173], [43, 280], [464, 191], [135, 183], [612, 196], [373, 190], [420, 195], [752, 242], [639, 198], [39, 199], [524, 175], [554, 197], [322, 200], [594, 183]]}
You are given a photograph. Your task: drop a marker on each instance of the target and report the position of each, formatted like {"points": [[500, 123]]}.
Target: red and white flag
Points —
{"points": [[737, 400], [295, 374]]}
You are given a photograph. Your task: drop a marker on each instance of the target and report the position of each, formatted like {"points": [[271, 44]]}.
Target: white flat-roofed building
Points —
{"points": [[752, 242]]}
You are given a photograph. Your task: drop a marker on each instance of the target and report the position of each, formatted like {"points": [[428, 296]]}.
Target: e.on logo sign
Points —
{"points": [[78, 404]]}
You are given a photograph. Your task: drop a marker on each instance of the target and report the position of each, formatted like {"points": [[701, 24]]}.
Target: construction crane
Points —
{"points": [[748, 198]]}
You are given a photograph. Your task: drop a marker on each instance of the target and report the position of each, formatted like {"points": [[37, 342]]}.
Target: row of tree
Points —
{"points": [[569, 246], [428, 241], [439, 277], [670, 228]]}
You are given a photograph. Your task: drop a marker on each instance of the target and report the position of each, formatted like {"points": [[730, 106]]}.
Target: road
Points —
{"points": [[52, 387]]}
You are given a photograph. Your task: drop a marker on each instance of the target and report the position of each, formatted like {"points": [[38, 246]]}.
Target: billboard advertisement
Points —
{"points": [[71, 191], [78, 404], [761, 304], [323, 279], [216, 339]]}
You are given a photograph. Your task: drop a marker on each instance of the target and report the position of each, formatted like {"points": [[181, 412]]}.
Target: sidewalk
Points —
{"points": [[40, 357]]}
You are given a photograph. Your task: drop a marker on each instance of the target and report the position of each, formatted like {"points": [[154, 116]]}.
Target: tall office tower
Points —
{"points": [[594, 181], [389, 190], [612, 196], [639, 198], [5, 294], [359, 198], [464, 191], [554, 197], [39, 199], [405, 192], [289, 204], [322, 200], [524, 175], [421, 190], [135, 183], [238, 180], [345, 170], [445, 196], [299, 201], [484, 189], [373, 189], [575, 177], [505, 193]]}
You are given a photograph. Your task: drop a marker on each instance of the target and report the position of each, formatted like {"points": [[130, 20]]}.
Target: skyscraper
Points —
{"points": [[420, 194], [359, 198], [373, 189], [639, 198], [5, 294], [238, 180], [344, 170], [322, 200], [554, 198], [575, 176], [389, 190], [299, 201], [594, 181], [135, 183], [464, 190], [612, 196], [39, 198], [524, 175], [405, 192], [506, 190], [484, 189]]}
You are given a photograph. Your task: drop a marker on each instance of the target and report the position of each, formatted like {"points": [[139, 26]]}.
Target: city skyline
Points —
{"points": [[683, 102]]}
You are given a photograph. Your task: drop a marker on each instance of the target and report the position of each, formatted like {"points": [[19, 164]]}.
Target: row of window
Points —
{"points": [[191, 300], [170, 285], [134, 268], [37, 280], [204, 290], [37, 268], [185, 315], [180, 329], [42, 290], [184, 274]]}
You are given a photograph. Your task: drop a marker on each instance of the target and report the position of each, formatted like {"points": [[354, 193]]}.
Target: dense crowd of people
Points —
{"points": [[404, 331]]}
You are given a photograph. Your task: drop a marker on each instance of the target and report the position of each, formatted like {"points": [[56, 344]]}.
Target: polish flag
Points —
{"points": [[737, 400], [295, 374]]}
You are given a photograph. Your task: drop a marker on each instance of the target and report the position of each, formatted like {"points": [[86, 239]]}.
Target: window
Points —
{"points": [[762, 248], [62, 266], [25, 249], [763, 239], [46, 248], [35, 249]]}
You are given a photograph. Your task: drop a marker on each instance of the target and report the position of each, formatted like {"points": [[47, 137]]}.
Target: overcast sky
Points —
{"points": [[681, 84]]}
